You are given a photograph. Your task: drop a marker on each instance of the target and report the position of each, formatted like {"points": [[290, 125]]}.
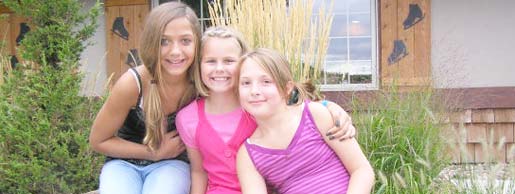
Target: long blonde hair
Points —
{"points": [[150, 47], [223, 32], [278, 67]]}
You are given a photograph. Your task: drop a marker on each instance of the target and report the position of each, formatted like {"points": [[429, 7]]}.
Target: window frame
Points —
{"points": [[374, 36]]}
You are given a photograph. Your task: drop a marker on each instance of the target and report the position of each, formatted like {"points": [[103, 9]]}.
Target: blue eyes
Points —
{"points": [[186, 41]]}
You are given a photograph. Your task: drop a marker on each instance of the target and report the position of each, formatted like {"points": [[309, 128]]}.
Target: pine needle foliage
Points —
{"points": [[44, 122]]}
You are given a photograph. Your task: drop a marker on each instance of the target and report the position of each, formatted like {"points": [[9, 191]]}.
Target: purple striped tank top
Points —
{"points": [[307, 165]]}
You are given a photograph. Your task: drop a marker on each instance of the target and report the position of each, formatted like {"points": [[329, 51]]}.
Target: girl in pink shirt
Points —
{"points": [[214, 126]]}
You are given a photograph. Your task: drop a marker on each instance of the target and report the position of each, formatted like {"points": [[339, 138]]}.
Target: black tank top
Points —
{"points": [[133, 128]]}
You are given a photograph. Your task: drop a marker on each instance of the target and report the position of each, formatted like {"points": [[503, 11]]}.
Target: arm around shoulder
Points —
{"points": [[251, 181], [349, 152], [343, 128], [321, 116]]}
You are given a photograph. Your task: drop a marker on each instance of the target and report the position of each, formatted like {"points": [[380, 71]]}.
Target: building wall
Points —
{"points": [[472, 58], [470, 38], [107, 59], [482, 135], [472, 43], [93, 59]]}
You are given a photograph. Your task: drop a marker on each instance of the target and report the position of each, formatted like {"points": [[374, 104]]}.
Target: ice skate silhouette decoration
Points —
{"points": [[133, 58], [24, 28], [415, 15], [119, 28], [14, 61], [399, 52]]}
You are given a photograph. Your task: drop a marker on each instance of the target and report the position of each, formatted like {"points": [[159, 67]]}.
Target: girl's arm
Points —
{"points": [[198, 174], [110, 118], [349, 152], [251, 181], [342, 128]]}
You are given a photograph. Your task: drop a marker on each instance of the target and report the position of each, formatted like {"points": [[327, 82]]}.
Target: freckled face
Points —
{"points": [[219, 64], [177, 47], [258, 92]]}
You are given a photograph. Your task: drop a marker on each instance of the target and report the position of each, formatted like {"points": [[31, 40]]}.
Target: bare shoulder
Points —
{"points": [[125, 90], [242, 151], [122, 96], [243, 156], [322, 116]]}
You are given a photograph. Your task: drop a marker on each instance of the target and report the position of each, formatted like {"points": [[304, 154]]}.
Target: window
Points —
{"points": [[200, 6], [351, 61]]}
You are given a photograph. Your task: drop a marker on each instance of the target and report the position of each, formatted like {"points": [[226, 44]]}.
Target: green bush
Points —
{"points": [[43, 138], [44, 122], [400, 133]]}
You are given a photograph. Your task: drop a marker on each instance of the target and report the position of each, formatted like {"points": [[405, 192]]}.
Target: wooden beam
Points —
{"points": [[133, 17], [456, 98], [422, 45], [388, 28]]}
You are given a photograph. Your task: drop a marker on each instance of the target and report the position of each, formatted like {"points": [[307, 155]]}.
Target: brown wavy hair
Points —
{"points": [[150, 47]]}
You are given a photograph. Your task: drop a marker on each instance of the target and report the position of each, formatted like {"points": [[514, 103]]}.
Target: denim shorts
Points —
{"points": [[166, 176]]}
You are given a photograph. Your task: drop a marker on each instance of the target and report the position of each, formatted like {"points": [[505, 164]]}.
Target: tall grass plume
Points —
{"points": [[400, 132], [287, 26]]}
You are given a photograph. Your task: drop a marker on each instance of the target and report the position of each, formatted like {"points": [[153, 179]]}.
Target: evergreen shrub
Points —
{"points": [[44, 121]]}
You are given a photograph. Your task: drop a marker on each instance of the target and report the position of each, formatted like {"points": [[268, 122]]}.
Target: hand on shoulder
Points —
{"points": [[322, 117]]}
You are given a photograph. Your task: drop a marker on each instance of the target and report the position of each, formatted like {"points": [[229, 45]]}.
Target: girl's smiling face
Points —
{"points": [[219, 64], [258, 91], [177, 47]]}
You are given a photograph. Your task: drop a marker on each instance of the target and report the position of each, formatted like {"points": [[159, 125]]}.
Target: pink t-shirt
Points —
{"points": [[187, 120]]}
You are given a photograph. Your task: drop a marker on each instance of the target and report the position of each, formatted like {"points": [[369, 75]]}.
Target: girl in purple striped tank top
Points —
{"points": [[287, 150]]}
